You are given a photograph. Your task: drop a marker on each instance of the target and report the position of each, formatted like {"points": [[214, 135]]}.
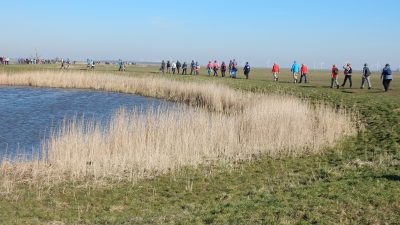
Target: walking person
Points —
{"points": [[173, 66], [234, 70], [304, 73], [62, 64], [197, 68], [184, 68], [366, 76], [68, 63], [192, 67], [348, 72], [386, 77], [246, 70], [223, 69], [215, 68], [275, 71], [168, 67], [230, 67], [334, 77], [121, 65], [295, 70], [178, 66], [162, 68], [93, 64], [209, 67]]}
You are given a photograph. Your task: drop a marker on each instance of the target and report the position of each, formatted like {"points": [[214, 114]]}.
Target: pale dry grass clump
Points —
{"points": [[135, 146]]}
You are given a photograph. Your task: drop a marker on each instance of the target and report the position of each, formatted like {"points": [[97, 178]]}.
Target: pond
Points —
{"points": [[30, 115]]}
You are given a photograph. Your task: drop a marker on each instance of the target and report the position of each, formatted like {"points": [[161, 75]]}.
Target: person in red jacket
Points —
{"points": [[275, 71], [304, 73], [335, 74]]}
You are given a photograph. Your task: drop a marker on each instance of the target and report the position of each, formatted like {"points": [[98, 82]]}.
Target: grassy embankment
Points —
{"points": [[356, 182]]}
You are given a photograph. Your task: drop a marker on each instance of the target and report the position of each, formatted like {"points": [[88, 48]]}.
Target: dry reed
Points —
{"points": [[224, 125]]}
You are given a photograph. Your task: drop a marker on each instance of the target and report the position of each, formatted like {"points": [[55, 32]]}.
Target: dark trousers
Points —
{"points": [[215, 73], [184, 71], [347, 77], [178, 69], [223, 73], [305, 78], [191, 70], [386, 84]]}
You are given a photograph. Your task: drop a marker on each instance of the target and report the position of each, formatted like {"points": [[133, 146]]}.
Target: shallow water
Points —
{"points": [[29, 115]]}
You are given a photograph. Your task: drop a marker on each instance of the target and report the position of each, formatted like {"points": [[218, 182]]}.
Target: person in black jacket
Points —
{"points": [[184, 68], [246, 70], [366, 76], [168, 66], [178, 66]]}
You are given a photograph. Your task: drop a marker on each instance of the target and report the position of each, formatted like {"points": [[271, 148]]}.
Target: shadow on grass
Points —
{"points": [[311, 86], [389, 177]]}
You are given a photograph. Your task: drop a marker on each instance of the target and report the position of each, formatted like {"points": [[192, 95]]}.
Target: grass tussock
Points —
{"points": [[224, 125]]}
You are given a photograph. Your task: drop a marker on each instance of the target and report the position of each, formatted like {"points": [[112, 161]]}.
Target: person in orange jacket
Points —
{"points": [[304, 73], [275, 71]]}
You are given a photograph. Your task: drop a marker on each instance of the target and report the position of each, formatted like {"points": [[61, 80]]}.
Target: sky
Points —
{"points": [[316, 32]]}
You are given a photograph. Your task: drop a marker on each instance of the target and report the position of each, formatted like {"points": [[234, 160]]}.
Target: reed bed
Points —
{"points": [[224, 125]]}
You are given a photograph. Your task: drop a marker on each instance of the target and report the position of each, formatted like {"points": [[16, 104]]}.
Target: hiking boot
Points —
{"points": [[337, 87]]}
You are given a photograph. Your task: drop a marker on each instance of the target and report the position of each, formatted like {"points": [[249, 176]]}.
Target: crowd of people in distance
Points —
{"points": [[212, 68], [4, 61]]}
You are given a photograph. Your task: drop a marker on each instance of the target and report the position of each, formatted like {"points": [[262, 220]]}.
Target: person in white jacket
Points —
{"points": [[173, 67]]}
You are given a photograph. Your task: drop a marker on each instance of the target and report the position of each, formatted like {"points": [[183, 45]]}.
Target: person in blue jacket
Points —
{"points": [[296, 71], [386, 77]]}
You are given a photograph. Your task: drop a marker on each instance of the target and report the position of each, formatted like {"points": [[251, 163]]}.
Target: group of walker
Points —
{"points": [[299, 72], [296, 69], [212, 68], [386, 76]]}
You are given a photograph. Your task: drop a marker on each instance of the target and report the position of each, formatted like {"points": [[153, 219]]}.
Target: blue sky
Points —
{"points": [[315, 32]]}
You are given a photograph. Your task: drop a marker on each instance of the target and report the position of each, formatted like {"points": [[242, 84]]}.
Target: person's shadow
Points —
{"points": [[389, 177]]}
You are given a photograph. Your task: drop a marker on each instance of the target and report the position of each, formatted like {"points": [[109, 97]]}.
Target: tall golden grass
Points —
{"points": [[224, 125]]}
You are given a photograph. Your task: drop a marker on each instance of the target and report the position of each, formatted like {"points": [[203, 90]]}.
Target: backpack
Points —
{"points": [[350, 71], [336, 71]]}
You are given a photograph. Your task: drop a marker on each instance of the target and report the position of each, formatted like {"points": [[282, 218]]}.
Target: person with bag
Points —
{"points": [[348, 72], [246, 70], [184, 68], [366, 76], [215, 68], [162, 68], [386, 77], [295, 70], [234, 69], [334, 77], [192, 65], [209, 67], [275, 71], [168, 67], [223, 69]]}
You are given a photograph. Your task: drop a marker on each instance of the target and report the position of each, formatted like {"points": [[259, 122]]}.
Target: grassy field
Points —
{"points": [[357, 182]]}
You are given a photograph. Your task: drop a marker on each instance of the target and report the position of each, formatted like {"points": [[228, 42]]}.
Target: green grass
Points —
{"points": [[357, 182]]}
